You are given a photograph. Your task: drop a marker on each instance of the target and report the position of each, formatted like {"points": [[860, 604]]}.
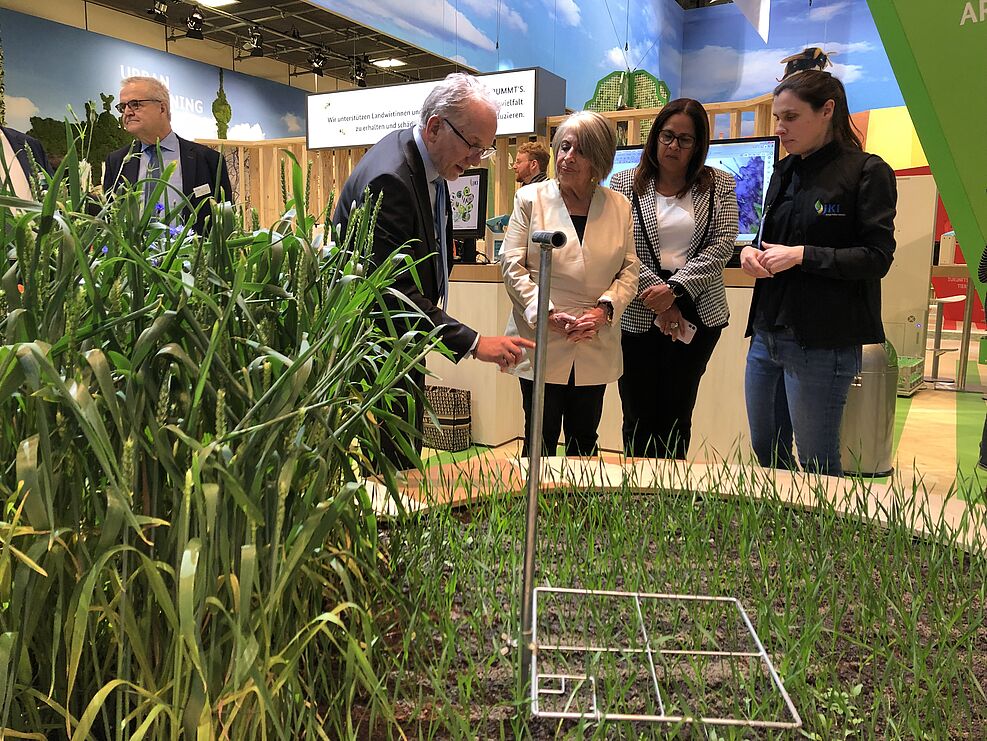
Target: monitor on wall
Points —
{"points": [[750, 160], [468, 198]]}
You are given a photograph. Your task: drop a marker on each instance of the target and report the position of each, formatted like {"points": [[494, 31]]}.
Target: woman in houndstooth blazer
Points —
{"points": [[685, 226]]}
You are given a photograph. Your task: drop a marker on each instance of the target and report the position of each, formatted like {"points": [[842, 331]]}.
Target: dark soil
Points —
{"points": [[869, 644]]}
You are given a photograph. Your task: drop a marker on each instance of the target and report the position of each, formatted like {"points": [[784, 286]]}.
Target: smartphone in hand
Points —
{"points": [[687, 331]]}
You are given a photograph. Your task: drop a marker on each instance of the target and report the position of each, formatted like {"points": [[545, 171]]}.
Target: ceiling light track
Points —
{"points": [[260, 40]]}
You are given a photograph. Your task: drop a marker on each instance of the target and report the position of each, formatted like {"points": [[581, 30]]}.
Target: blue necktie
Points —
{"points": [[440, 238], [153, 171]]}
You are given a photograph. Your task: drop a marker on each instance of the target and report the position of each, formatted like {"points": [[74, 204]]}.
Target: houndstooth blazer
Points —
{"points": [[702, 275]]}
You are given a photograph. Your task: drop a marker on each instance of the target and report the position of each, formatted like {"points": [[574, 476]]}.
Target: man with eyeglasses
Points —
{"points": [[531, 163], [200, 172], [456, 130]]}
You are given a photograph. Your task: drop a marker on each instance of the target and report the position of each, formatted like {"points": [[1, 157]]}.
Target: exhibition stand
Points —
{"points": [[479, 299]]}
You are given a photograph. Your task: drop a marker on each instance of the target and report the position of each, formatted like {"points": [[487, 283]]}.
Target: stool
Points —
{"points": [[937, 348]]}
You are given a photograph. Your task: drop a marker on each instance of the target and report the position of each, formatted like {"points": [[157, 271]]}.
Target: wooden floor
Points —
{"points": [[460, 482], [940, 437], [936, 451], [939, 441]]}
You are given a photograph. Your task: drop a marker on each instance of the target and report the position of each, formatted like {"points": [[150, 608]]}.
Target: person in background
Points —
{"points": [[531, 163], [826, 240], [18, 166], [410, 168], [594, 277], [200, 172], [685, 228]]}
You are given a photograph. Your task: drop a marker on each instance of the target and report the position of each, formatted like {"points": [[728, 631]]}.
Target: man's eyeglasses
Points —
{"points": [[134, 105], [484, 152], [686, 141]]}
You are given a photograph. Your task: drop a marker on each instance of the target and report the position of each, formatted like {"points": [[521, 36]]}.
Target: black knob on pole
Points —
{"points": [[555, 239]]}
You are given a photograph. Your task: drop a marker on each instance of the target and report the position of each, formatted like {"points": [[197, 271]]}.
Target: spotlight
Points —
{"points": [[359, 72], [193, 24], [317, 61], [256, 43], [158, 11]]}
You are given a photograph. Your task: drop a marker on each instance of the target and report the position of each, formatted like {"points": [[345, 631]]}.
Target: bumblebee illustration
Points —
{"points": [[811, 58]]}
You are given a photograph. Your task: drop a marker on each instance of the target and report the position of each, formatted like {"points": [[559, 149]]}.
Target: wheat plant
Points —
{"points": [[186, 548]]}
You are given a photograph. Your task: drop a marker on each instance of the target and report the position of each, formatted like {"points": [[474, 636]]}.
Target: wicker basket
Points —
{"points": [[452, 408]]}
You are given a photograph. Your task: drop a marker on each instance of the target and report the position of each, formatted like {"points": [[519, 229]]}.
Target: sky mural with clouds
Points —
{"points": [[579, 40], [724, 59], [39, 83], [712, 54]]}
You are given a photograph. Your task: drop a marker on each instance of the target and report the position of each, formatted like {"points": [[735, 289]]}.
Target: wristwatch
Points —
{"points": [[608, 308], [677, 290]]}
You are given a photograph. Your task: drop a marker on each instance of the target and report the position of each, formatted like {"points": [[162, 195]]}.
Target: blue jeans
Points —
{"points": [[790, 390]]}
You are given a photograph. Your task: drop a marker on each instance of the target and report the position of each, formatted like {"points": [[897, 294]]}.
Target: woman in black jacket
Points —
{"points": [[827, 239]]}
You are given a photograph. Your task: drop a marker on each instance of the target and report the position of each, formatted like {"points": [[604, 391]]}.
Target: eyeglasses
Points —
{"points": [[134, 105], [686, 141], [484, 152]]}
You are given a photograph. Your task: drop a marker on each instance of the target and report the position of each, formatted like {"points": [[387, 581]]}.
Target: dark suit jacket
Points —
{"points": [[21, 142], [200, 165], [394, 167]]}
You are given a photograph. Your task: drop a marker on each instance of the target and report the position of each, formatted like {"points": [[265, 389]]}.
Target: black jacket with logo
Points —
{"points": [[839, 202]]}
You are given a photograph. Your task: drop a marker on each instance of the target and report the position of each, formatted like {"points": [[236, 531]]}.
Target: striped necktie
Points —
{"points": [[153, 171], [440, 239]]}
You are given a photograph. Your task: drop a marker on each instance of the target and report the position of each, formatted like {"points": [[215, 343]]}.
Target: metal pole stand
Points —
{"points": [[547, 241]]}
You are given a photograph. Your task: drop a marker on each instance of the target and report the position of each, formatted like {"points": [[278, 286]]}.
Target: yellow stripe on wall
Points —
{"points": [[891, 135]]}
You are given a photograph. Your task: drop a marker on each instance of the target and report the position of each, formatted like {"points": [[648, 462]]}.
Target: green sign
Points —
{"points": [[938, 50]]}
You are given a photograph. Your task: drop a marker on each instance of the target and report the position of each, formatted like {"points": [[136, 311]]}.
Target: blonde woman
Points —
{"points": [[594, 277]]}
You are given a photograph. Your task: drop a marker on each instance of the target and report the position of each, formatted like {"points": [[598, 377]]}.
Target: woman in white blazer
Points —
{"points": [[594, 278]]}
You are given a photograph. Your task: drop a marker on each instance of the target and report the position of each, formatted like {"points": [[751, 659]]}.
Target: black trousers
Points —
{"points": [[658, 390], [576, 408]]}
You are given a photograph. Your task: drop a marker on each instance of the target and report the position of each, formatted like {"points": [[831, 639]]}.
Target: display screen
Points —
{"points": [[468, 198], [751, 161]]}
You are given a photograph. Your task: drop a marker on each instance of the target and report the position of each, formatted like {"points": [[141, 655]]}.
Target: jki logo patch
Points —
{"points": [[829, 209]]}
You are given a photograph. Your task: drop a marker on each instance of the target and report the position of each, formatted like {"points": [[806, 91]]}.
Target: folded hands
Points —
{"points": [[578, 328]]}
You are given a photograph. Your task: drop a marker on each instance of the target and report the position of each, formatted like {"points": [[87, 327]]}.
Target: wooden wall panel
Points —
{"points": [[259, 181]]}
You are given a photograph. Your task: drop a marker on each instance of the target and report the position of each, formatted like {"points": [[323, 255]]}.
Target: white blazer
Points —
{"points": [[604, 266]]}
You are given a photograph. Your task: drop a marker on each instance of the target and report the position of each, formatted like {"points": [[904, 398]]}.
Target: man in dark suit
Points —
{"points": [[19, 167], [200, 172], [410, 167]]}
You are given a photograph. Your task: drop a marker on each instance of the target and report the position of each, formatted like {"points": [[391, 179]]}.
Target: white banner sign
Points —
{"points": [[363, 116]]}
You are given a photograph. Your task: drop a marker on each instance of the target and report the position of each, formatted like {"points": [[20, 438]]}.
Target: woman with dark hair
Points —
{"points": [[826, 240], [685, 225]]}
